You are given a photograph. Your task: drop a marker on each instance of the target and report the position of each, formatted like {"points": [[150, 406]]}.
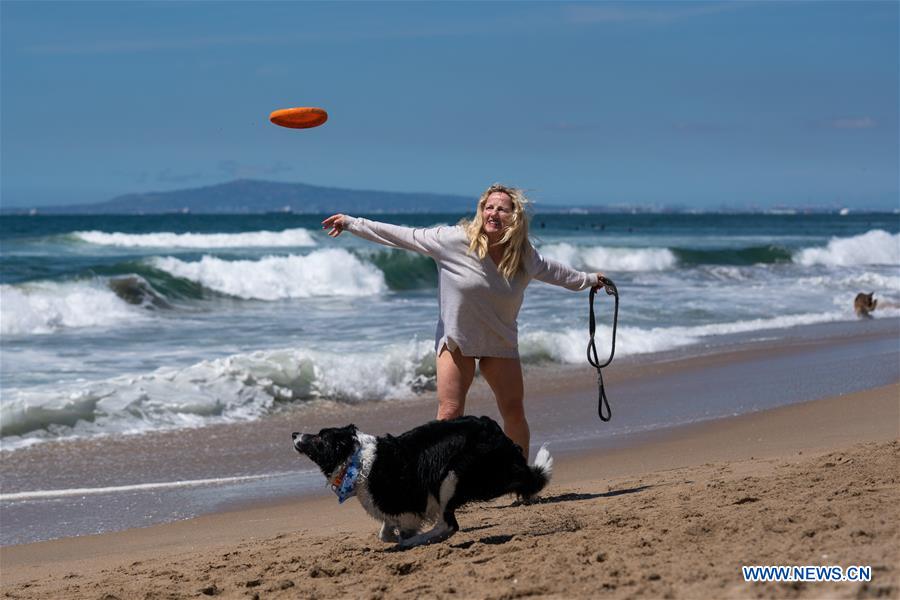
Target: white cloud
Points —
{"points": [[852, 123], [673, 11]]}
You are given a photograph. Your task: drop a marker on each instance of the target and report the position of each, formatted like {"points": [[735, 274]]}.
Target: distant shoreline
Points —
{"points": [[245, 196], [537, 210]]}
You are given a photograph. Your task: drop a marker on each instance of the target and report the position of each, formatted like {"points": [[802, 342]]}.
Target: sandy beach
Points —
{"points": [[672, 512], [706, 192]]}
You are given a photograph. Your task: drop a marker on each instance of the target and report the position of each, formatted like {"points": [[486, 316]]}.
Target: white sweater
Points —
{"points": [[478, 306]]}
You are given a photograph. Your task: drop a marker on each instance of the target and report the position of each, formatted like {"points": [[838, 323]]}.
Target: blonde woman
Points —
{"points": [[484, 267]]}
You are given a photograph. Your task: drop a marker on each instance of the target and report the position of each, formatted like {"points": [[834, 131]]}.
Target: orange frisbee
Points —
{"points": [[301, 117]]}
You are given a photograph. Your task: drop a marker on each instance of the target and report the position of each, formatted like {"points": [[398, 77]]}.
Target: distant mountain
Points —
{"points": [[252, 196]]}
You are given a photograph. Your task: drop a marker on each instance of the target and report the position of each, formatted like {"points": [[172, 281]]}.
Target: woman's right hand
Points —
{"points": [[336, 223]]}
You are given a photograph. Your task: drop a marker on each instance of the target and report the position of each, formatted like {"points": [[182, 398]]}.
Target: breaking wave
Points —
{"points": [[752, 255], [236, 388], [333, 272], [569, 345], [247, 386], [610, 259], [661, 259], [876, 247], [47, 306], [251, 239]]}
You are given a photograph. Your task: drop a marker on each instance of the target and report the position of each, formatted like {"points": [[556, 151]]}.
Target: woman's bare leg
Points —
{"points": [[454, 377], [504, 375]]}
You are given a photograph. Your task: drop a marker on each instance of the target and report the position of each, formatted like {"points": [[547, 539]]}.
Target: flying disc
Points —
{"points": [[300, 117]]}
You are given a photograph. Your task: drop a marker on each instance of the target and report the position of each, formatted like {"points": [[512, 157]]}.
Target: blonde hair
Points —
{"points": [[515, 237]]}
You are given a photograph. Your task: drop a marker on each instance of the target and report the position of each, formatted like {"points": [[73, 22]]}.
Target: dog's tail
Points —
{"points": [[541, 471]]}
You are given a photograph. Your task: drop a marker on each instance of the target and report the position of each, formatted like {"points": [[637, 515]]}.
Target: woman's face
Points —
{"points": [[497, 214]]}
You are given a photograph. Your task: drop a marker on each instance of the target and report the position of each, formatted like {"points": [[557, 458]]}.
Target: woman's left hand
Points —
{"points": [[603, 282]]}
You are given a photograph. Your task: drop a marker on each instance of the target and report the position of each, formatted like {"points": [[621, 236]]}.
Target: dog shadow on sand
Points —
{"points": [[502, 539], [576, 496]]}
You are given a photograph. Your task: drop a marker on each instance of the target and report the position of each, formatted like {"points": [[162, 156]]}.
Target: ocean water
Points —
{"points": [[117, 325]]}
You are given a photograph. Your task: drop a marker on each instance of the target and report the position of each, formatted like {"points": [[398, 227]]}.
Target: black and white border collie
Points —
{"points": [[425, 474]]}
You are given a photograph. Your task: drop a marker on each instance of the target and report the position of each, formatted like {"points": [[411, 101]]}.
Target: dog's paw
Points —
{"points": [[388, 533], [525, 501]]}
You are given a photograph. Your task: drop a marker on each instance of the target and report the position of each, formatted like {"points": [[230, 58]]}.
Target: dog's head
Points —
{"points": [[864, 304], [329, 448]]}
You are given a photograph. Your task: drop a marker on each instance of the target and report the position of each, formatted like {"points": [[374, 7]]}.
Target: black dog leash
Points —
{"points": [[611, 290]]}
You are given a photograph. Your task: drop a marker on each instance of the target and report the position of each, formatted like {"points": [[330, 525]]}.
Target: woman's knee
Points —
{"points": [[454, 377], [449, 410]]}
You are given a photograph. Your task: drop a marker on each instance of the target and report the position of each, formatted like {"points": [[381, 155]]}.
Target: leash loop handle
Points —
{"points": [[603, 409]]}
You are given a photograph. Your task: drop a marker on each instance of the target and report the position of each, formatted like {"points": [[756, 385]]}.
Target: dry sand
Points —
{"points": [[674, 515]]}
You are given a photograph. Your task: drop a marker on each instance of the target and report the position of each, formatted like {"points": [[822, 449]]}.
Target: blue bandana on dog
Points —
{"points": [[344, 483]]}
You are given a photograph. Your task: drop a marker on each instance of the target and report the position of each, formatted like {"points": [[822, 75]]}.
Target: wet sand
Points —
{"points": [[675, 514]]}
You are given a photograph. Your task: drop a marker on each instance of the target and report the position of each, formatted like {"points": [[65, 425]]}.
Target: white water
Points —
{"points": [[569, 345], [333, 272], [323, 325], [46, 307], [263, 239], [235, 388], [875, 247], [246, 386], [611, 259], [140, 487]]}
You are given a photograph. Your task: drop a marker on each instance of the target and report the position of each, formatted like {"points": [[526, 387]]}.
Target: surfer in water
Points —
{"points": [[484, 265]]}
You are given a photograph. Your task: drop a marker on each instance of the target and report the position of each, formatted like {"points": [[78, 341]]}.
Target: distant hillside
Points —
{"points": [[250, 196]]}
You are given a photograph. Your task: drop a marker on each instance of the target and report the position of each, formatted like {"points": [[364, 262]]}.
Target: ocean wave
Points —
{"points": [[405, 270], [333, 272], [47, 306], [250, 239], [661, 259], [610, 259], [247, 386], [865, 281], [135, 487], [751, 255], [570, 345], [136, 290], [236, 388], [138, 282], [876, 247]]}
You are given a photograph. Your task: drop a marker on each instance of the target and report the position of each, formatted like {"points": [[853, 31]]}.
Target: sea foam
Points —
{"points": [[246, 386], [236, 388], [250, 239], [569, 345], [46, 307], [610, 259], [876, 247], [333, 272], [137, 487]]}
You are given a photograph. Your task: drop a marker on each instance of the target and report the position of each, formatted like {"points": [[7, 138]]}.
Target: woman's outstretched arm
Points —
{"points": [[557, 273], [425, 241]]}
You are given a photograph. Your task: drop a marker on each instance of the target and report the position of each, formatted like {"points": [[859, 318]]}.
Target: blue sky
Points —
{"points": [[707, 105]]}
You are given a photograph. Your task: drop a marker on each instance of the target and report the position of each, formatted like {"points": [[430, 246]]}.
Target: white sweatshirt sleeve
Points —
{"points": [[422, 240], [556, 273]]}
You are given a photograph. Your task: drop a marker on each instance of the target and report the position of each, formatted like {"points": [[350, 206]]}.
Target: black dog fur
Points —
{"points": [[428, 472]]}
